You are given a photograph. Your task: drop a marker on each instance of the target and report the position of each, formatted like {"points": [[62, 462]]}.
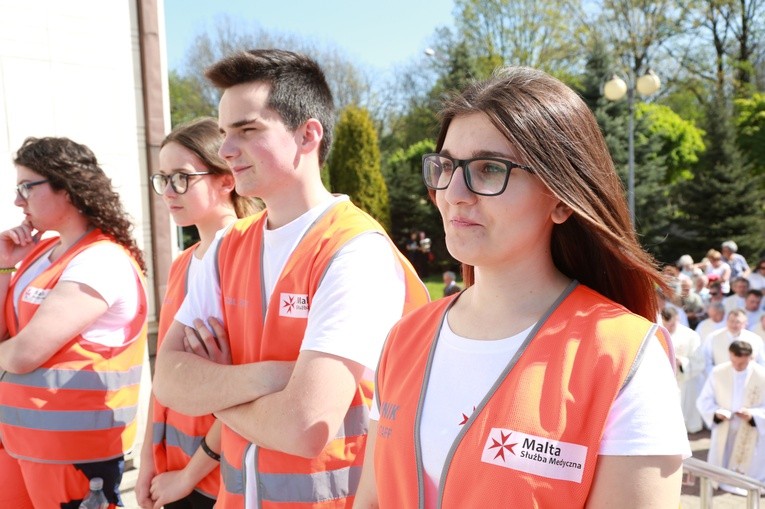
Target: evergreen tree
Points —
{"points": [[410, 206], [723, 200], [354, 164], [459, 69], [454, 68]]}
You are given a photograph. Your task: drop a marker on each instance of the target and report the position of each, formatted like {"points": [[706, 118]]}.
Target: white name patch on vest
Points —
{"points": [[34, 295], [293, 305], [535, 455]]}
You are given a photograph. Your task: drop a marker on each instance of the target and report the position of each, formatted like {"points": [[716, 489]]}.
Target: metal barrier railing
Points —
{"points": [[710, 473]]}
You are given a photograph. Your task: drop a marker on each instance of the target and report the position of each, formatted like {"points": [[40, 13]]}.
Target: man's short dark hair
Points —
{"points": [[299, 89], [740, 348]]}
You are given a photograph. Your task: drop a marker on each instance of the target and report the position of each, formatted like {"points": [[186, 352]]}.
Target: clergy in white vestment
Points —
{"points": [[759, 329], [688, 369], [732, 403], [753, 308], [737, 299], [715, 320], [714, 348]]}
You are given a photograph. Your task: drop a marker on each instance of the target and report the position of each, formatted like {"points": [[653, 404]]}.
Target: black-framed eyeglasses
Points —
{"points": [[486, 176], [178, 181], [22, 190]]}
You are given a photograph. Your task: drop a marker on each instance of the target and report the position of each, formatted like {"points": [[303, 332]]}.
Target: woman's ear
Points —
{"points": [[561, 213], [227, 183]]}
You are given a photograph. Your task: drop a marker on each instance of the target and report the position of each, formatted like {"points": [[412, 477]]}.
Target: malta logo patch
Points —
{"points": [[535, 455], [293, 305], [34, 295]]}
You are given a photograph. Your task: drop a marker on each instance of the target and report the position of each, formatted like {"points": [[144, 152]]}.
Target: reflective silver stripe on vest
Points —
{"points": [[49, 420], [233, 478], [157, 433], [174, 437], [316, 487], [77, 380], [355, 423], [341, 483]]}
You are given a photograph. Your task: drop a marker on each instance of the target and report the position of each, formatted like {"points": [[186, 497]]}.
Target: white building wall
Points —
{"points": [[72, 68]]}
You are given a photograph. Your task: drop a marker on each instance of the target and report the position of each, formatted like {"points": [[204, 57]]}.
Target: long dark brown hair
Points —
{"points": [[202, 137], [557, 136], [74, 168]]}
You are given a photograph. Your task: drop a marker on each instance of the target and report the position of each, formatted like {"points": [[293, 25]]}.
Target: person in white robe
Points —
{"points": [[759, 329], [715, 320], [688, 369], [714, 348], [732, 404], [753, 308]]}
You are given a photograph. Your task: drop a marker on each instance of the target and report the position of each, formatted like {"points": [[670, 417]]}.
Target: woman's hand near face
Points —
{"points": [[16, 243]]}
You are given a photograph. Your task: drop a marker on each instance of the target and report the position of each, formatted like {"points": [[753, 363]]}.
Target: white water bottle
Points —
{"points": [[96, 498]]}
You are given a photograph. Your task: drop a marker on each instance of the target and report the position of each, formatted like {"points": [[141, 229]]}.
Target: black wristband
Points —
{"points": [[206, 448]]}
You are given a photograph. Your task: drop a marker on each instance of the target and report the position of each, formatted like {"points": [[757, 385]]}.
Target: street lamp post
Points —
{"points": [[615, 89]]}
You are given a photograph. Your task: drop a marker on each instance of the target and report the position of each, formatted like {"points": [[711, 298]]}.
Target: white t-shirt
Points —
{"points": [[361, 296], [359, 299], [646, 418], [107, 270]]}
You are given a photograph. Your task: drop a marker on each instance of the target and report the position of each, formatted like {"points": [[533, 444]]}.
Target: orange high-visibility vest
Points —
{"points": [[80, 405], [533, 440], [328, 481], [175, 436]]}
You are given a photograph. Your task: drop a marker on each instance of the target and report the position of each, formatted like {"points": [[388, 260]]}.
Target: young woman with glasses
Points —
{"points": [[544, 383], [179, 463], [73, 330]]}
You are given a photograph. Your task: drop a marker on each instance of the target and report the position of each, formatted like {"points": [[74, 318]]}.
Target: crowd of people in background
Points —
{"points": [[419, 253], [716, 318]]}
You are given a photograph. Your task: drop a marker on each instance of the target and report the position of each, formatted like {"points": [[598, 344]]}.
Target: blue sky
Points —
{"points": [[374, 34]]}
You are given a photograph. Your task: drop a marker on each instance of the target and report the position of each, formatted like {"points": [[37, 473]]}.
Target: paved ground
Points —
{"points": [[688, 500], [127, 486]]}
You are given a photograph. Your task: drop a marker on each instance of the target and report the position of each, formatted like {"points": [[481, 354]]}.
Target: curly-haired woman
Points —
{"points": [[73, 330]]}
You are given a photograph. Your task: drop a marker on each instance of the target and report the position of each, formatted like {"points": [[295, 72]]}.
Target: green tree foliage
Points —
{"points": [[410, 206], [188, 100], [453, 68], [458, 69], [750, 125], [723, 200], [354, 164], [418, 123], [535, 33], [681, 142]]}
